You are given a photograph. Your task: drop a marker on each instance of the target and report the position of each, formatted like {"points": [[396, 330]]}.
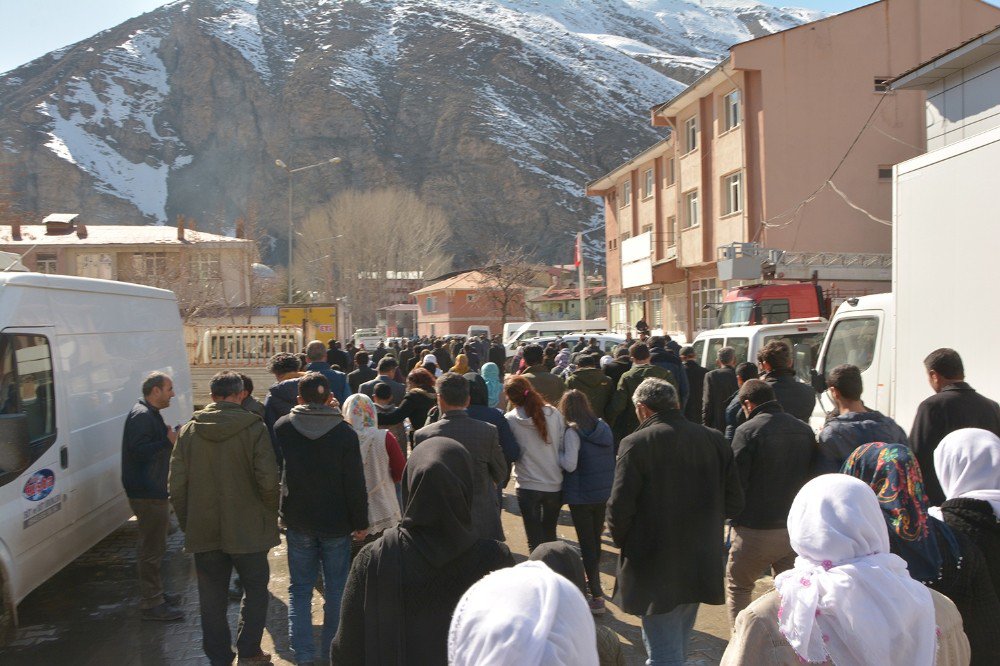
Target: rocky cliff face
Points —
{"points": [[497, 111]]}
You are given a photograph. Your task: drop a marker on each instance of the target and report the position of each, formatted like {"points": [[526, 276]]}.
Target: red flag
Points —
{"points": [[576, 257]]}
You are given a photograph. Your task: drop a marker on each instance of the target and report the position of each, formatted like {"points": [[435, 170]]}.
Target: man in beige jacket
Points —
{"points": [[224, 486]]}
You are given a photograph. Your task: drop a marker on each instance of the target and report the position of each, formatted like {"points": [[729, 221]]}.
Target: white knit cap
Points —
{"points": [[527, 615]]}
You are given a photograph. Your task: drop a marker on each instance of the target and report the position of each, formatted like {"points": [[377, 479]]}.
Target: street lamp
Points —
{"points": [[281, 165]]}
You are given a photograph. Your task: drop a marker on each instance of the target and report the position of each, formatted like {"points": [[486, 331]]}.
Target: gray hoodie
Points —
{"points": [[314, 421]]}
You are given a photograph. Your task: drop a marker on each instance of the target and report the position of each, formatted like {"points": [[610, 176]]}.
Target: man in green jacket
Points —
{"points": [[589, 379], [621, 411], [224, 487], [547, 384]]}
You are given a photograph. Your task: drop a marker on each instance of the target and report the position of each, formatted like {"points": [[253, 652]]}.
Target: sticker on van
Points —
{"points": [[37, 488]]}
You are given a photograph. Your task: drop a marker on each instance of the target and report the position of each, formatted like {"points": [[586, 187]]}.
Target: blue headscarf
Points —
{"points": [[491, 373], [893, 473]]}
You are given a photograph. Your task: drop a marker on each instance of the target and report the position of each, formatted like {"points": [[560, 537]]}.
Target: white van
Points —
{"points": [[369, 337], [803, 336], [476, 331], [73, 354]]}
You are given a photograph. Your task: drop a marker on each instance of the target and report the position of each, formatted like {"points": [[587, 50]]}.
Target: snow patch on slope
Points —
{"points": [[238, 27]]}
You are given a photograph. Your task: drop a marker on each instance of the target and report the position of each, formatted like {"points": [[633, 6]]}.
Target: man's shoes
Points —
{"points": [[165, 612], [236, 591], [259, 659], [597, 606]]}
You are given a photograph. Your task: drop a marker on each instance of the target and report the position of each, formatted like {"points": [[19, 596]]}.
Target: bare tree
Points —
{"points": [[360, 243], [508, 274]]}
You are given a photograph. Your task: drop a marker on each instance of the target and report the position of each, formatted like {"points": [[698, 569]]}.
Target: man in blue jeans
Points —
{"points": [[324, 506], [675, 483]]}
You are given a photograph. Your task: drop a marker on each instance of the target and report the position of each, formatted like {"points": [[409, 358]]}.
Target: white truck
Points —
{"points": [[73, 354], [945, 246]]}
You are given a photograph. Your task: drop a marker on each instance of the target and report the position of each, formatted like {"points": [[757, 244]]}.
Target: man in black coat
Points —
{"points": [[498, 355], [338, 357], [675, 483], [146, 446], [696, 384], [669, 360], [797, 398], [954, 405], [482, 441], [720, 385], [386, 371], [619, 366], [774, 454], [364, 372]]}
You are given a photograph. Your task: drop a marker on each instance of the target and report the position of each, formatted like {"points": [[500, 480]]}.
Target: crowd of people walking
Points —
{"points": [[384, 470]]}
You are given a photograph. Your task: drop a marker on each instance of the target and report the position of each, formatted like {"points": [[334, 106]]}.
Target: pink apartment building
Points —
{"points": [[752, 148], [450, 306]]}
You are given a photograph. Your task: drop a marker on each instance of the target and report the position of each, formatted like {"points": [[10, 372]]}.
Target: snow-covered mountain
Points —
{"points": [[497, 111]]}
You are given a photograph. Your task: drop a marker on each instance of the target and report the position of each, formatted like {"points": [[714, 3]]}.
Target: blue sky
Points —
{"points": [[30, 28]]}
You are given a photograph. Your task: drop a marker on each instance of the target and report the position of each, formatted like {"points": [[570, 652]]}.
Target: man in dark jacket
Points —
{"points": [[317, 363], [548, 385], [498, 355], [336, 356], [146, 446], [675, 483], [735, 416], [854, 424], [774, 453], [588, 379], [954, 405], [695, 375], [482, 442], [386, 371], [621, 411], [797, 398], [405, 356], [362, 373], [619, 366], [444, 358], [669, 360], [325, 505], [720, 385], [224, 486], [282, 395]]}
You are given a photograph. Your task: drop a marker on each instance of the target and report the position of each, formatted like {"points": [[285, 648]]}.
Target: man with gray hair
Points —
{"points": [[675, 483], [316, 353], [720, 385], [146, 445], [224, 488]]}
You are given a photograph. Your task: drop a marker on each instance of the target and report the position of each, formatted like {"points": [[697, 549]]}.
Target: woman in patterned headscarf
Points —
{"points": [[383, 463], [935, 555]]}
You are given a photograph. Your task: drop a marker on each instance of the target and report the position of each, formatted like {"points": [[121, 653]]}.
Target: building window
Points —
{"points": [[884, 173], [671, 174], [94, 266], [732, 193], [626, 236], [705, 294], [45, 263], [655, 300], [675, 307], [429, 305], [206, 266], [27, 388], [731, 109], [646, 227], [672, 231], [692, 213], [691, 134], [626, 193], [647, 184], [149, 264]]}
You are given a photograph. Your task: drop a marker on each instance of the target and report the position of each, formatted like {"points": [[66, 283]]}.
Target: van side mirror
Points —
{"points": [[15, 446], [818, 381]]}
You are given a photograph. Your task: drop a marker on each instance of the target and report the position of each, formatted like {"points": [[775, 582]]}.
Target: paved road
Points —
{"points": [[87, 614]]}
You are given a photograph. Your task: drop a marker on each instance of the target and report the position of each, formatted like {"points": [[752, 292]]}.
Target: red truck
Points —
{"points": [[773, 304]]}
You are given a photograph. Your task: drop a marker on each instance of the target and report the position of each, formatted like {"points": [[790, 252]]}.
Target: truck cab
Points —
{"points": [[771, 304]]}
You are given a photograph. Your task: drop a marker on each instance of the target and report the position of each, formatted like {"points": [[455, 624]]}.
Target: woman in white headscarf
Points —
{"points": [[967, 463], [383, 462], [848, 601], [527, 615]]}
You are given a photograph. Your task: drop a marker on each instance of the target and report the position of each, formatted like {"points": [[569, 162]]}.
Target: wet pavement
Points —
{"points": [[88, 613]]}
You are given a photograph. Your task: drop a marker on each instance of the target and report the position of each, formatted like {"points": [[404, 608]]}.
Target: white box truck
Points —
{"points": [[946, 261], [73, 354]]}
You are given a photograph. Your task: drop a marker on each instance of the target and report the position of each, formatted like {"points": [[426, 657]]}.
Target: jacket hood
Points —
{"points": [[590, 377], [593, 435], [769, 407], [314, 421], [521, 417], [430, 395], [286, 391], [860, 417], [221, 420]]}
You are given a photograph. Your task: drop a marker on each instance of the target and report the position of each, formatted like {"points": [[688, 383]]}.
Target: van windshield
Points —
{"points": [[852, 341], [805, 350], [737, 313]]}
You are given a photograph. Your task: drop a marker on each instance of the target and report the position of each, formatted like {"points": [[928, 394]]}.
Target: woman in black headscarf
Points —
{"points": [[403, 587]]}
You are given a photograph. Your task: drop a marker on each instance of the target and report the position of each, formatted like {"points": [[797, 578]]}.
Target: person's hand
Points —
{"points": [[172, 435], [360, 535]]}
